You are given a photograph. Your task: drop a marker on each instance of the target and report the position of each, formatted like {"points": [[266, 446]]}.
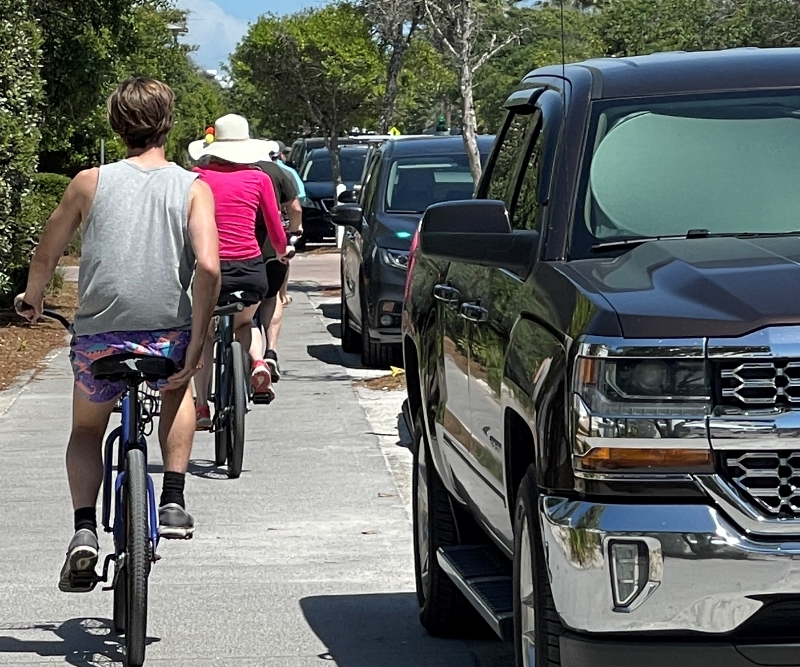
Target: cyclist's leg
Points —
{"points": [[284, 295], [92, 404], [176, 434], [272, 314]]}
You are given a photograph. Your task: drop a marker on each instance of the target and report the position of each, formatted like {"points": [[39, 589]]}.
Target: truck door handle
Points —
{"points": [[473, 312], [446, 293]]}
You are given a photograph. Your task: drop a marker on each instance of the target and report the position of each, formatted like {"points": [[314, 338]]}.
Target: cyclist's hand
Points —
{"points": [[192, 363], [32, 314]]}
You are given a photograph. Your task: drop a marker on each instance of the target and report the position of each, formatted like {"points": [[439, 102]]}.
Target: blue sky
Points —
{"points": [[216, 26]]}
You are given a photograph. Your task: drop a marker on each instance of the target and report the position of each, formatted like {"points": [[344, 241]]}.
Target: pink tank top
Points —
{"points": [[239, 191]]}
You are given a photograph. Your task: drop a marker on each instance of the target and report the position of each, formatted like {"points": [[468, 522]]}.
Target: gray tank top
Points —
{"points": [[136, 258]]}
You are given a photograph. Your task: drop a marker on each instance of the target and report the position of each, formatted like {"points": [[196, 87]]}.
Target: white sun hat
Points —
{"points": [[273, 148], [231, 143]]}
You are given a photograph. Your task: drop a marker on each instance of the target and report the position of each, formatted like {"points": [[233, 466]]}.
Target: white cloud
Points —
{"points": [[215, 32]]}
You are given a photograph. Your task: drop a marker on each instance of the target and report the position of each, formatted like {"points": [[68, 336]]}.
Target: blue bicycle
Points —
{"points": [[131, 493]]}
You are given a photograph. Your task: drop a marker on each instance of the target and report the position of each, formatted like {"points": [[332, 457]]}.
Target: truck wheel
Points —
{"points": [[537, 627], [443, 610]]}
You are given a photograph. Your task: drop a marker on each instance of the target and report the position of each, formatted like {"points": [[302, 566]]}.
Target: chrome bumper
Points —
{"points": [[704, 572]]}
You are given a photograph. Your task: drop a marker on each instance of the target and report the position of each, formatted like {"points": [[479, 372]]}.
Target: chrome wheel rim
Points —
{"points": [[423, 511], [527, 608]]}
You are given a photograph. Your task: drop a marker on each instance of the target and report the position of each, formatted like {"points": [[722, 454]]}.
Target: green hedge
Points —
{"points": [[20, 99]]}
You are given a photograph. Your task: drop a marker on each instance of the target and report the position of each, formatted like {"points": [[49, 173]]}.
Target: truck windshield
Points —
{"points": [[724, 164]]}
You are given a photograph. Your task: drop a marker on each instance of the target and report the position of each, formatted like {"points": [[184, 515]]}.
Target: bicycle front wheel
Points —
{"points": [[238, 411], [221, 402], [137, 555]]}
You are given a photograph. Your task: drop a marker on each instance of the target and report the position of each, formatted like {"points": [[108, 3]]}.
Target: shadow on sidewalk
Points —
{"points": [[331, 311], [329, 353], [83, 642], [198, 467], [383, 629]]}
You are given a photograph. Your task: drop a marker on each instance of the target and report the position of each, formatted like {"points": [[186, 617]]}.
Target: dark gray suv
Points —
{"points": [[404, 177]]}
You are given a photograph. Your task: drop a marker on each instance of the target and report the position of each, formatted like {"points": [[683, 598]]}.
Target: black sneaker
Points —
{"points": [[78, 575], [174, 522], [271, 359]]}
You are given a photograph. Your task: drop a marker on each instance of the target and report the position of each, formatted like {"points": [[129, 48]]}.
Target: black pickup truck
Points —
{"points": [[602, 351]]}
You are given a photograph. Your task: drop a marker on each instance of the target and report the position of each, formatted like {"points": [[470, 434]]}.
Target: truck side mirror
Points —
{"points": [[476, 231]]}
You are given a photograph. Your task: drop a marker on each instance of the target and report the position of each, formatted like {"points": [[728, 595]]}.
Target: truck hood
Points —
{"points": [[323, 189], [698, 287]]}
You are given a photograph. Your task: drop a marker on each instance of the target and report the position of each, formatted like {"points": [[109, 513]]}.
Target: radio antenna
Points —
{"points": [[563, 48]]}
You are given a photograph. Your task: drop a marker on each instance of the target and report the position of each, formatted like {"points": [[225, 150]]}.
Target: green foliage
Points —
{"points": [[424, 82], [319, 66], [88, 49], [539, 46], [20, 95]]}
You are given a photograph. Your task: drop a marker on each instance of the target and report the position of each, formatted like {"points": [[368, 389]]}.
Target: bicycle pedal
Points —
{"points": [[262, 399]]}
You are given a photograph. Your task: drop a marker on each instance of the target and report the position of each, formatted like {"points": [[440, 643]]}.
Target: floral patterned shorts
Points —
{"points": [[86, 349]]}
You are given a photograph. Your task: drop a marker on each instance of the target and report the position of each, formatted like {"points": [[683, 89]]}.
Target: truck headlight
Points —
{"points": [[640, 414], [397, 259]]}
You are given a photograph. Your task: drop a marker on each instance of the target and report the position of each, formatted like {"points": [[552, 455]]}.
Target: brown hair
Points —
{"points": [[140, 111]]}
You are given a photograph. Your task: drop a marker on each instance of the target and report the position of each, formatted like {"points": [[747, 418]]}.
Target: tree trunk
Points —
{"points": [[332, 144], [469, 123], [448, 111], [392, 75]]}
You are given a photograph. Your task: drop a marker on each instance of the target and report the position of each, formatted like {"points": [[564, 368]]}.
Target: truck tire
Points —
{"points": [[534, 609], [443, 609]]}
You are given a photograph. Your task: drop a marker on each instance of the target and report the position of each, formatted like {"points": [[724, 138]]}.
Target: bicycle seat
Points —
{"points": [[133, 367]]}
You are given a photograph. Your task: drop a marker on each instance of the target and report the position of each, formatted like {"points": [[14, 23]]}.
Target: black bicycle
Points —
{"points": [[131, 494], [231, 392]]}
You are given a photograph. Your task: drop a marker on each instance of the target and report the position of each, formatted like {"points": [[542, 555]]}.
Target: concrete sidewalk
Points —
{"points": [[305, 560]]}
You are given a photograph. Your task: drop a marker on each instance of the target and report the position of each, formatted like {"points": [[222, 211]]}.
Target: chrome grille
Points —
{"points": [[771, 479], [760, 383]]}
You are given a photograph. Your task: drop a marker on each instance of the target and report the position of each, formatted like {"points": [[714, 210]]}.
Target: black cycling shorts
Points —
{"points": [[243, 281], [276, 274]]}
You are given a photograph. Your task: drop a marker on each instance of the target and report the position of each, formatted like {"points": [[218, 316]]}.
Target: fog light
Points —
{"points": [[386, 320], [629, 569]]}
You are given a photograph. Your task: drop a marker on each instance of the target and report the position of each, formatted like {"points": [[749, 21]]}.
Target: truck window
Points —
{"points": [[525, 210], [514, 161]]}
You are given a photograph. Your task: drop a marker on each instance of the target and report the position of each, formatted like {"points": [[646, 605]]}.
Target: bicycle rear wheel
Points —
{"points": [[137, 555], [221, 401], [238, 410]]}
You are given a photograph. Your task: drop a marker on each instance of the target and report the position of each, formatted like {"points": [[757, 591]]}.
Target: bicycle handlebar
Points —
{"points": [[21, 307]]}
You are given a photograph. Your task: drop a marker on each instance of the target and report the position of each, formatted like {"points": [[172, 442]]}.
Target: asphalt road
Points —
{"points": [[304, 561]]}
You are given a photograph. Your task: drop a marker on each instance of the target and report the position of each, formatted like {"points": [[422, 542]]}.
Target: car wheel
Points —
{"points": [[537, 627], [351, 341], [373, 353], [443, 609]]}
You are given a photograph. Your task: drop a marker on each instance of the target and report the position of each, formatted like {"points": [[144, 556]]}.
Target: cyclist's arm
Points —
{"points": [[202, 227], [294, 212], [203, 236], [61, 225], [272, 216]]}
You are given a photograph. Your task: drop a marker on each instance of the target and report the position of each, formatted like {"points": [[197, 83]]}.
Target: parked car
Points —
{"points": [[404, 177], [602, 354], [317, 177], [302, 146]]}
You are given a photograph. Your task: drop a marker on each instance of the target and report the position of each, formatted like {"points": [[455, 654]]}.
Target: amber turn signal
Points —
{"points": [[623, 459]]}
